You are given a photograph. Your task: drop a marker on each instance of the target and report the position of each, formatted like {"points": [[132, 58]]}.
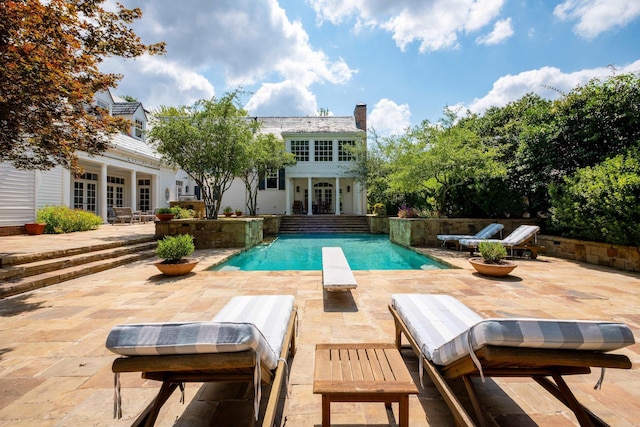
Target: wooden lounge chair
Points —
{"points": [[336, 273], [248, 340], [522, 239], [486, 233], [442, 330]]}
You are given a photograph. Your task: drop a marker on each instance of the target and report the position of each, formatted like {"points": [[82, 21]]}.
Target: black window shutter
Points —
{"points": [[261, 184], [281, 182]]}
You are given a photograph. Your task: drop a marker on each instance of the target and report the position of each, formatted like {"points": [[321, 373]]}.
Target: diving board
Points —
{"points": [[336, 273]]}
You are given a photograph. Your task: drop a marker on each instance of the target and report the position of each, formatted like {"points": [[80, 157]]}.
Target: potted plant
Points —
{"points": [[238, 212], [493, 261], [174, 251], [164, 214], [35, 228], [227, 211]]}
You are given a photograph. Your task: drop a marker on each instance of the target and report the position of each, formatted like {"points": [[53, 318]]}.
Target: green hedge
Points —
{"points": [[600, 203], [61, 219]]}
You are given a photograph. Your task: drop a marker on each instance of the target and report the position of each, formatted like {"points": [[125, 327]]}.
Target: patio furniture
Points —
{"points": [[336, 273], [452, 342], [487, 232], [248, 340], [362, 373], [123, 215], [298, 207], [520, 239]]}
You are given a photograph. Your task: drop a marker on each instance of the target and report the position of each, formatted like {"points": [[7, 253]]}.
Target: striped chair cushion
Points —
{"points": [[255, 323], [485, 233], [444, 328]]}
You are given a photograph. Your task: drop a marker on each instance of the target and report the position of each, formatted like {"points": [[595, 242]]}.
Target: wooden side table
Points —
{"points": [[362, 373]]}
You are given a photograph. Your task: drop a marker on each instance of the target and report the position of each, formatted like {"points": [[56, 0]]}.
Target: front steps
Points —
{"points": [[292, 224], [22, 273]]}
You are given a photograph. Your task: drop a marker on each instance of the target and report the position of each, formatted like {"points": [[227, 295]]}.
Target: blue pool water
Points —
{"points": [[304, 252]]}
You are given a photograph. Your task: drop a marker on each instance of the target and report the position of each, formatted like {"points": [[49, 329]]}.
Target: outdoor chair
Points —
{"points": [[298, 207], [123, 215], [486, 233], [522, 239], [453, 342], [248, 340]]}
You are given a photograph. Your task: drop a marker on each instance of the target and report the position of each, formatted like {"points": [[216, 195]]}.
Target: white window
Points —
{"points": [[138, 129], [300, 149], [324, 151], [272, 179], [345, 153]]}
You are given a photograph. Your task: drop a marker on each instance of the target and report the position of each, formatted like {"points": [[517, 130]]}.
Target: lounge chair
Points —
{"points": [[522, 239], [248, 340], [487, 232], [441, 331]]}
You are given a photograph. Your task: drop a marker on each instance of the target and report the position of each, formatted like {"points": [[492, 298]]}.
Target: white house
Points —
{"points": [[130, 173], [320, 182]]}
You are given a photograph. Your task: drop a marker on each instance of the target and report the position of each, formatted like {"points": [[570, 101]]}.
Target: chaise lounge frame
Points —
{"points": [[498, 361], [174, 370]]}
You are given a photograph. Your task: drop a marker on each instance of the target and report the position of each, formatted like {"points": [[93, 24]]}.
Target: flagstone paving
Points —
{"points": [[55, 370]]}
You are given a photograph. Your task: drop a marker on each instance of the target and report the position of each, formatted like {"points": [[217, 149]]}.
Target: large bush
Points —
{"points": [[600, 203], [61, 219], [173, 248]]}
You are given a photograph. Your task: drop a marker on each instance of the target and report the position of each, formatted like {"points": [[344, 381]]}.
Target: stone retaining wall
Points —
{"points": [[378, 224], [423, 231], [220, 233], [618, 256]]}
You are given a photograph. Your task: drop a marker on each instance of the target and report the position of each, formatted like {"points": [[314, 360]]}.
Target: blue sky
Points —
{"points": [[406, 59]]}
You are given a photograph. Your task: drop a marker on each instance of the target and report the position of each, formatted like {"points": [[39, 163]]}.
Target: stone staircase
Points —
{"points": [[298, 224], [22, 273]]}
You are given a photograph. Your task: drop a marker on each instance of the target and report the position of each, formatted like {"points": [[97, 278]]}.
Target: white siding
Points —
{"points": [[17, 198], [50, 187]]}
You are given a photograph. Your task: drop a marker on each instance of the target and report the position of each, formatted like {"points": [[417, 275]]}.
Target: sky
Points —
{"points": [[407, 60]]}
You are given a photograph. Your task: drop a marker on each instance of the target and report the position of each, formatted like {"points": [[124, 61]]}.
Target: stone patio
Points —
{"points": [[55, 370]]}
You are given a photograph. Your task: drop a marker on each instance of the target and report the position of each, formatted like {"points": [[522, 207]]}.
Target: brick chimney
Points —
{"points": [[360, 114]]}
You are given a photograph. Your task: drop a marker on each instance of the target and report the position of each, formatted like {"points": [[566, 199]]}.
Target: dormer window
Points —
{"points": [[100, 103], [138, 129]]}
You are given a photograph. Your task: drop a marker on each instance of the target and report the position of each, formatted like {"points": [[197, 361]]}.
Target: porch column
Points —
{"points": [[103, 192], [359, 198], [153, 202], [337, 201], [288, 189], [309, 197], [132, 189]]}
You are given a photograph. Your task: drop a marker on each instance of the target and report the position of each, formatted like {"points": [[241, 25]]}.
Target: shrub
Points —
{"points": [[600, 203], [180, 213], [492, 252], [61, 219], [163, 211], [173, 248], [407, 211]]}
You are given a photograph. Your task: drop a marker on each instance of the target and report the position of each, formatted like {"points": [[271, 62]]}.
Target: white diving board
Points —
{"points": [[336, 273]]}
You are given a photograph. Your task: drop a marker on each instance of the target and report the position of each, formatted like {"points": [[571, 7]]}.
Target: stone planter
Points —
{"points": [[183, 267], [35, 228], [493, 270]]}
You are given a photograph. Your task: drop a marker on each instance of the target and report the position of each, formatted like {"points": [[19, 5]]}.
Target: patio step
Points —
{"points": [[292, 224], [35, 271]]}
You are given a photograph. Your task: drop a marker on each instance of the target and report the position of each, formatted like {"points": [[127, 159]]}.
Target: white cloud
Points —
{"points": [[597, 16], [548, 82], [388, 118], [501, 32], [436, 24], [244, 41], [282, 99]]}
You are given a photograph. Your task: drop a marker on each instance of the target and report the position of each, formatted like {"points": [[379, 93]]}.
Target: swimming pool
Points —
{"points": [[304, 252]]}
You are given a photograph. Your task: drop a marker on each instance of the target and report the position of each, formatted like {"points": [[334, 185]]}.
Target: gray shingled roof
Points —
{"points": [[311, 124], [124, 108]]}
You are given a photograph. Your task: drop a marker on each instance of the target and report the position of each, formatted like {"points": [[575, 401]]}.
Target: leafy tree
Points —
{"points": [[49, 57], [601, 203], [208, 140], [439, 158], [265, 152]]}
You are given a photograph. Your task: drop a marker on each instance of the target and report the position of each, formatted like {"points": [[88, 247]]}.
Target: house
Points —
{"points": [[128, 174], [132, 174], [320, 182]]}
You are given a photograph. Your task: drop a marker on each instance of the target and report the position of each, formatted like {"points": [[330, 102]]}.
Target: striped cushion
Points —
{"points": [[485, 233], [519, 236], [436, 329], [246, 323]]}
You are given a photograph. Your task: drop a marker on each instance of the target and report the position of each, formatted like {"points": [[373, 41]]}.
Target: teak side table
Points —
{"points": [[362, 373]]}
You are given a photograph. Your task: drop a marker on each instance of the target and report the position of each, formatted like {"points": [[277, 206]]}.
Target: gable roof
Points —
{"points": [[125, 108]]}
